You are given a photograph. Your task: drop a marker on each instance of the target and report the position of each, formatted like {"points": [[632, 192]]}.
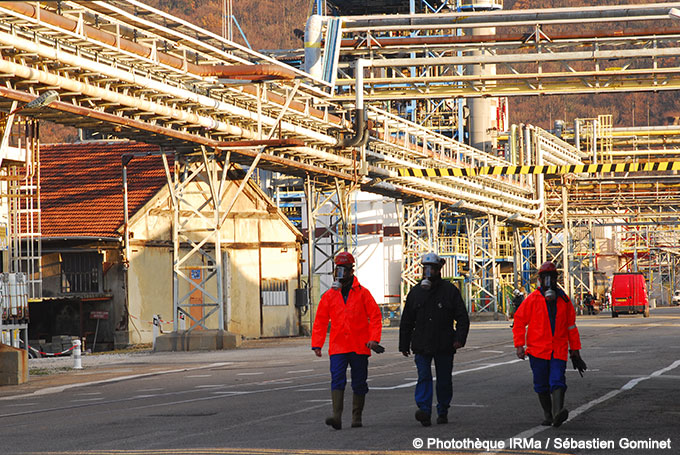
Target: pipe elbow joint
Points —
{"points": [[360, 128]]}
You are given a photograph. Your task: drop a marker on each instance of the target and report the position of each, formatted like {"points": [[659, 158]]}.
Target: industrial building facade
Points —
{"points": [[90, 288]]}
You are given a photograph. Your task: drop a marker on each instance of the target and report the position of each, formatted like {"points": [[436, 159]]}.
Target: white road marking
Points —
{"points": [[314, 390], [455, 373], [87, 399], [493, 352], [21, 404], [143, 376], [198, 376], [318, 401], [90, 393], [298, 371], [607, 396], [622, 352], [155, 389], [249, 374], [209, 386]]}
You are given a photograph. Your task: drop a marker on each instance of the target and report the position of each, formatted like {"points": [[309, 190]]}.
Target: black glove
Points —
{"points": [[578, 363], [375, 347]]}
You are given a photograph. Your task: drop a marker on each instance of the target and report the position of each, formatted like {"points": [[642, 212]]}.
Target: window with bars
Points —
{"points": [[274, 292], [81, 273]]}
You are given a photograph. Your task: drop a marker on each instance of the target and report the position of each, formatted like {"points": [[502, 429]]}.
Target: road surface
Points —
{"points": [[274, 399]]}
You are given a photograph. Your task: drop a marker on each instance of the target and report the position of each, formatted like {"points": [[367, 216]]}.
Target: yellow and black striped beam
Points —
{"points": [[526, 170]]}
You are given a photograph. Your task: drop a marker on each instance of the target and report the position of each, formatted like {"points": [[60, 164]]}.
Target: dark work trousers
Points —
{"points": [[548, 374], [443, 365], [359, 365]]}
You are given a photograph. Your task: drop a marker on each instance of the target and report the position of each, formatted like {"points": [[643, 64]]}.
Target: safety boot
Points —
{"points": [[335, 421], [424, 418], [546, 404], [357, 408], [560, 414]]}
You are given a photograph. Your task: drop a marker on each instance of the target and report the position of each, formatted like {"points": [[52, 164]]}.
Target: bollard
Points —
{"points": [[77, 361], [156, 325]]}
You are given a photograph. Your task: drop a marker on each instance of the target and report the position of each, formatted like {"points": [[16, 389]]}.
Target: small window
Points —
{"points": [[274, 292], [81, 273]]}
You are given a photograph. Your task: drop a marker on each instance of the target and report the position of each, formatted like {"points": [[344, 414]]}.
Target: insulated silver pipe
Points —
{"points": [[313, 37], [618, 13]]}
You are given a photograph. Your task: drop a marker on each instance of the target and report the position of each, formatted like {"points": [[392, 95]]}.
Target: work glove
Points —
{"points": [[375, 347], [406, 353], [577, 362]]}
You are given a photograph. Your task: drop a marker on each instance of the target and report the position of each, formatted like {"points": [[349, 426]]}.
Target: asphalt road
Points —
{"points": [[274, 399]]}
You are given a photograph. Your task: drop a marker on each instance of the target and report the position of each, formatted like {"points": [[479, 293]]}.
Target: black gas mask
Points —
{"points": [[548, 284], [342, 275], [430, 275]]}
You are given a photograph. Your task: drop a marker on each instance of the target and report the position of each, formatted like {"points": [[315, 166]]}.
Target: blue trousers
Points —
{"points": [[443, 365], [359, 365], [548, 374]]}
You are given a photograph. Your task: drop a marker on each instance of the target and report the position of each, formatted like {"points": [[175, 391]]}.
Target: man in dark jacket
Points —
{"points": [[427, 329]]}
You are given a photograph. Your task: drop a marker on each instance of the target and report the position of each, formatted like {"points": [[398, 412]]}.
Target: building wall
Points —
{"points": [[256, 243], [149, 291]]}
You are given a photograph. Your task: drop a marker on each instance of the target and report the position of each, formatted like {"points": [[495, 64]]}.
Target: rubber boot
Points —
{"points": [[546, 404], [357, 408], [560, 414], [335, 420], [424, 417]]}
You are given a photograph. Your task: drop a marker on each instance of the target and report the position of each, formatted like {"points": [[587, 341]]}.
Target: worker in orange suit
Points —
{"points": [[356, 326], [546, 323]]}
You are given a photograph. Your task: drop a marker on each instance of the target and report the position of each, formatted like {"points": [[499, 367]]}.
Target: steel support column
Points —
{"points": [[483, 285], [419, 226], [197, 189], [329, 230]]}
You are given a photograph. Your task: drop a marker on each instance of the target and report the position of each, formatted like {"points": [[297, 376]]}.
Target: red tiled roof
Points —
{"points": [[82, 186]]}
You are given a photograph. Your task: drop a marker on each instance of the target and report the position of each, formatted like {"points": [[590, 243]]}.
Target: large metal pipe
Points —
{"points": [[361, 134], [313, 37], [397, 43], [465, 206], [482, 117], [525, 58], [618, 13]]}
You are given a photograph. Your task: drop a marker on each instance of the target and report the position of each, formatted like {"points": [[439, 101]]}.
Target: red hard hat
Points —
{"points": [[344, 258], [547, 267]]}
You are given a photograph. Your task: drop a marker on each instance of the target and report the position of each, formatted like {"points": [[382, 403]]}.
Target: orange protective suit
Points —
{"points": [[539, 338], [353, 324]]}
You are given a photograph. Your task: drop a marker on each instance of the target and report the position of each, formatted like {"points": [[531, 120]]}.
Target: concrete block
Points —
{"points": [[487, 316], [13, 365], [121, 339], [204, 340]]}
